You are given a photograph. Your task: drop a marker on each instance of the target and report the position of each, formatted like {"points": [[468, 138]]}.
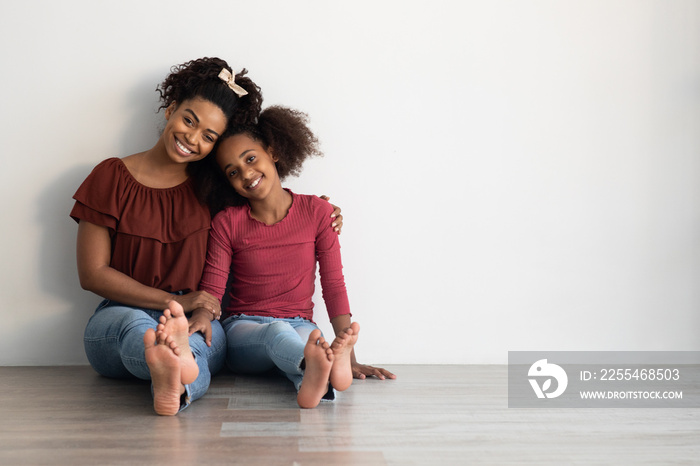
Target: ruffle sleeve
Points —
{"points": [[159, 236], [96, 199]]}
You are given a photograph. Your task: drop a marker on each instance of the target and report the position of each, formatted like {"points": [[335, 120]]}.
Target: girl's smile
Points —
{"points": [[255, 183]]}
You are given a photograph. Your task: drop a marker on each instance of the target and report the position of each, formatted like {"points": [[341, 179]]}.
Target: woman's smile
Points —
{"points": [[182, 148]]}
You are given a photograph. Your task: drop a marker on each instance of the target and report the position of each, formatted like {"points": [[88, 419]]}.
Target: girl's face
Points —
{"points": [[248, 166], [193, 127]]}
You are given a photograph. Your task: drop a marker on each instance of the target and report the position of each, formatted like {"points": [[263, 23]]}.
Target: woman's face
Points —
{"points": [[193, 127], [249, 168]]}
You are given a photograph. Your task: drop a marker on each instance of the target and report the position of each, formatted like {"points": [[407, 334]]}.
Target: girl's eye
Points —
{"points": [[251, 158], [209, 138], [233, 173], [187, 120]]}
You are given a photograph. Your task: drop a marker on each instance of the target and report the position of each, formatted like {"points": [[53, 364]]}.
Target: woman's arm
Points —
{"points": [[359, 371], [94, 248]]}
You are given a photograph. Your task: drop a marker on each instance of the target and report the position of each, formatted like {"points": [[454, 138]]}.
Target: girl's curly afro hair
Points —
{"points": [[282, 130]]}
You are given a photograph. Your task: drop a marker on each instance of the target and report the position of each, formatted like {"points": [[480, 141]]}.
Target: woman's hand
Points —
{"points": [[362, 371], [200, 300], [200, 322], [337, 224]]}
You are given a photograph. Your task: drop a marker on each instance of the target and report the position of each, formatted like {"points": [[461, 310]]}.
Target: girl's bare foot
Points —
{"points": [[318, 358], [164, 365], [341, 373], [174, 323]]}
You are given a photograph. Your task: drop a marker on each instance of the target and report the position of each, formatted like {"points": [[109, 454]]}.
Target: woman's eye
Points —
{"points": [[233, 173], [188, 120], [209, 138], [251, 158]]}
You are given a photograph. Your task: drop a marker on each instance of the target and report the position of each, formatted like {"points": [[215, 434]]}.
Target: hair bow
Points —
{"points": [[230, 80]]}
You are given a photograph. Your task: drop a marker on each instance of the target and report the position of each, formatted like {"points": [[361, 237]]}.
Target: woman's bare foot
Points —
{"points": [[164, 365], [341, 373], [318, 358], [174, 323]]}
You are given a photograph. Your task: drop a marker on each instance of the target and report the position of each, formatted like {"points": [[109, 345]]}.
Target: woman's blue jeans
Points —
{"points": [[257, 344], [114, 346]]}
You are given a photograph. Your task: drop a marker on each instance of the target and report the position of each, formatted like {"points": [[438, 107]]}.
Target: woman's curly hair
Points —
{"points": [[200, 78], [281, 130]]}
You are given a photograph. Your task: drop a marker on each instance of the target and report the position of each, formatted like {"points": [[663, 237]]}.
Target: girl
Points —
{"points": [[142, 236], [270, 239]]}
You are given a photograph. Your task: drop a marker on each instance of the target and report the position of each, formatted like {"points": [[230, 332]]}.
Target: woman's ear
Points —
{"points": [[169, 111]]}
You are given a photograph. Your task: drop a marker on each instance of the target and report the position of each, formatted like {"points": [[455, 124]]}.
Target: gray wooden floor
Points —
{"points": [[430, 415]]}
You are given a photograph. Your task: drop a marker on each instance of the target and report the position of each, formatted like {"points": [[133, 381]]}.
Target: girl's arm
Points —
{"points": [[335, 296], [214, 275], [359, 371], [94, 248]]}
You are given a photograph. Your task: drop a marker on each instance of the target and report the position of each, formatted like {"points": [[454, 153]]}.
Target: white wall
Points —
{"points": [[514, 175]]}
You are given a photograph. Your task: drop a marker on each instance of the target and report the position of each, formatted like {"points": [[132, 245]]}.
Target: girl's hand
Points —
{"points": [[200, 322], [337, 218], [200, 300], [361, 371]]}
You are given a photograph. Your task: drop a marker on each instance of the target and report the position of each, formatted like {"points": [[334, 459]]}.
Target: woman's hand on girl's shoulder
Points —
{"points": [[362, 371], [337, 224]]}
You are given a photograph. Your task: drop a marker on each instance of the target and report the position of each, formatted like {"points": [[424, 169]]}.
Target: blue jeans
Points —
{"points": [[257, 344], [114, 346]]}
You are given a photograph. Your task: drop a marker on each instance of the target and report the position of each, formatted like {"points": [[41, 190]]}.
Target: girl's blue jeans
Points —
{"points": [[114, 346], [257, 344]]}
